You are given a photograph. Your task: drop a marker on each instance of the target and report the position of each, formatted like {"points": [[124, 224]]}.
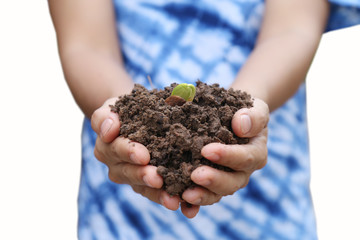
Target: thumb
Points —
{"points": [[105, 122], [248, 122]]}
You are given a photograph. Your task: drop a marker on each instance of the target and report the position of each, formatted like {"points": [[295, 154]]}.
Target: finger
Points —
{"points": [[245, 157], [200, 196], [125, 173], [121, 150], [248, 122], [170, 202], [189, 211], [159, 196], [219, 182], [105, 122]]}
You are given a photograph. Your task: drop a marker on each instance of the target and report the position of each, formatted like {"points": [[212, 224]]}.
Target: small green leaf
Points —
{"points": [[185, 91]]}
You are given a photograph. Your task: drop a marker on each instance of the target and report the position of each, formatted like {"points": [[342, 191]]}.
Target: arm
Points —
{"points": [[93, 68], [286, 45], [89, 51]]}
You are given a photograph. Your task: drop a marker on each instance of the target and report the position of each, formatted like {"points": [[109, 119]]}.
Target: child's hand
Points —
{"points": [[244, 159], [128, 161]]}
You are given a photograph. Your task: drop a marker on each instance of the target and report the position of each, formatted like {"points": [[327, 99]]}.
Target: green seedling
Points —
{"points": [[181, 93], [185, 91]]}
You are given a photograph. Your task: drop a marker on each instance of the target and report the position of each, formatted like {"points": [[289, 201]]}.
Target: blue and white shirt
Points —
{"points": [[182, 41]]}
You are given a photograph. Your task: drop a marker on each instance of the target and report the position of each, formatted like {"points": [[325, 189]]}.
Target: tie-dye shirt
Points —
{"points": [[182, 41]]}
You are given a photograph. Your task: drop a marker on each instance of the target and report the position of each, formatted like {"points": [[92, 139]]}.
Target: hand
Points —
{"points": [[128, 161], [243, 159]]}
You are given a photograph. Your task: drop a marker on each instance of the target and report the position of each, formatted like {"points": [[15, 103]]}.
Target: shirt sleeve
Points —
{"points": [[343, 13]]}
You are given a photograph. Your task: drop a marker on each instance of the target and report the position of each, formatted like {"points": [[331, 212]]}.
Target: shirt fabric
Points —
{"points": [[182, 41]]}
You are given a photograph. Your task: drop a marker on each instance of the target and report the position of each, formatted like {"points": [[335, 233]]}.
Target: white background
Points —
{"points": [[40, 131]]}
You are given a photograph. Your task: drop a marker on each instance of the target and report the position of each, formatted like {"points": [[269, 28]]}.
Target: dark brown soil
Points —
{"points": [[175, 135]]}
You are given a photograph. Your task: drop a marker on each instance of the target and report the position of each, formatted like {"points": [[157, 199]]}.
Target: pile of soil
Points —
{"points": [[174, 135]]}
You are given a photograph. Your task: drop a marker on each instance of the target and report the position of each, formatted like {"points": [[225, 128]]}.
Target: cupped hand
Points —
{"points": [[243, 159], [128, 161]]}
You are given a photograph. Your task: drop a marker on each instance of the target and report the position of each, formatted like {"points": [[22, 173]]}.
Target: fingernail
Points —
{"points": [[197, 201], [200, 177], [146, 181], [200, 180], [133, 158], [105, 126], [210, 155], [205, 183], [193, 197], [245, 124]]}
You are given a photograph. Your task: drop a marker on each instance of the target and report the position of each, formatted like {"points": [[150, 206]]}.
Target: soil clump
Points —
{"points": [[175, 135]]}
